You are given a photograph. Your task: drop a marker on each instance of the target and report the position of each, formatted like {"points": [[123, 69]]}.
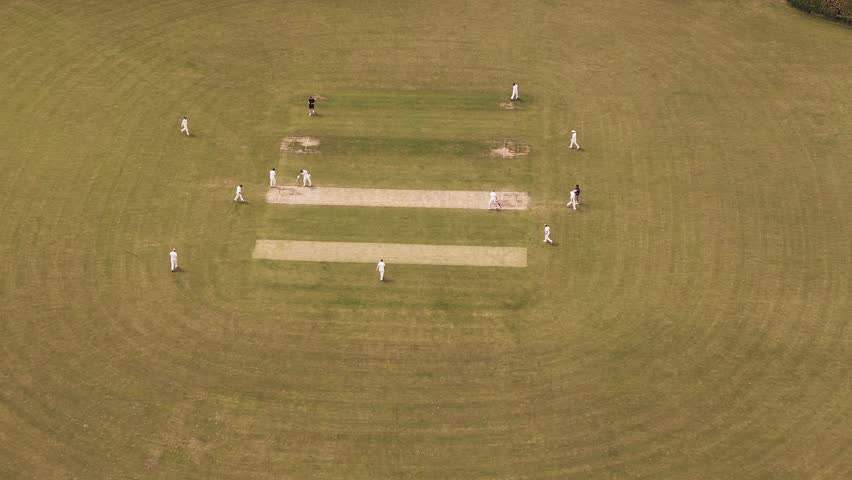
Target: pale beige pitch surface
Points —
{"points": [[392, 253], [372, 197]]}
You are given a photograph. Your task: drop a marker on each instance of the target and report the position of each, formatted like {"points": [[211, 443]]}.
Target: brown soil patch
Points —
{"points": [[197, 449], [152, 460], [511, 150], [299, 144], [509, 105]]}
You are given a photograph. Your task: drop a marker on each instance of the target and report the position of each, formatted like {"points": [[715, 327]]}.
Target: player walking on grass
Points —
{"points": [[574, 140], [572, 201], [173, 257], [577, 192], [492, 201], [547, 234], [272, 178], [515, 95], [311, 106], [239, 195], [306, 178], [184, 126], [380, 267]]}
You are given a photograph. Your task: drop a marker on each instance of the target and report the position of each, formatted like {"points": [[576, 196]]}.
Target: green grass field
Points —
{"points": [[693, 321]]}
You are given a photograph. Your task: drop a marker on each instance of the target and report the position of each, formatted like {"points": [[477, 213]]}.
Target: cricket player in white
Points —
{"points": [[306, 178], [547, 234], [572, 202], [239, 195], [184, 127], [574, 140], [515, 95], [381, 269], [272, 178], [173, 257], [492, 201]]}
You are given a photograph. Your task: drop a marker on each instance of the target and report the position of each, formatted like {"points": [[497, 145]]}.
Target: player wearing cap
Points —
{"points": [[574, 140]]}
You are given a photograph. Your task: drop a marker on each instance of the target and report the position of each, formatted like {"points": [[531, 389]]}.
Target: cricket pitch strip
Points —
{"points": [[392, 253], [371, 197]]}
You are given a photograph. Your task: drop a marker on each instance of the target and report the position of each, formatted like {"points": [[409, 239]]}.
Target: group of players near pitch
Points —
{"points": [[493, 203], [574, 196]]}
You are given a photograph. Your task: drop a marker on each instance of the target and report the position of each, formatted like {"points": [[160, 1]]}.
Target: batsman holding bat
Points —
{"points": [[493, 203]]}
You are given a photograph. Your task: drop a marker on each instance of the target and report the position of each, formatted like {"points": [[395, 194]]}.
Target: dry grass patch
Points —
{"points": [[509, 149], [152, 460], [509, 105], [299, 144]]}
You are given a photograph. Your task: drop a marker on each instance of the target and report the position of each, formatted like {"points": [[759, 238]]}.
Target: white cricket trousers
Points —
{"points": [[574, 144], [184, 130], [381, 275], [306, 181], [271, 182], [572, 203], [174, 265], [239, 197], [547, 238]]}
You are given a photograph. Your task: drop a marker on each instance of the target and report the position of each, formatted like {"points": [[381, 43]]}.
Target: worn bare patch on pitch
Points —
{"points": [[510, 149], [299, 144], [509, 105], [373, 197], [392, 253]]}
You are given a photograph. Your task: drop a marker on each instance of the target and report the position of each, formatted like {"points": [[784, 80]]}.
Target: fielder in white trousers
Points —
{"points": [[239, 195], [173, 257], [380, 267], [184, 126], [492, 201], [572, 201], [574, 140], [272, 178], [547, 234], [306, 178], [515, 95]]}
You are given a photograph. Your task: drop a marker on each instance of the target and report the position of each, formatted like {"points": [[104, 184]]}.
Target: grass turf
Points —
{"points": [[692, 323]]}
